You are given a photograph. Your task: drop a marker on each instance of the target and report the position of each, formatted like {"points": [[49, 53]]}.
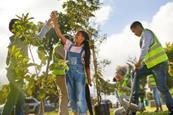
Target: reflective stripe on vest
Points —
{"points": [[156, 53], [59, 71], [152, 81]]}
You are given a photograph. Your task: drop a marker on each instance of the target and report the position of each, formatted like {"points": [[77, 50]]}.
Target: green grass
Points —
{"points": [[148, 111]]}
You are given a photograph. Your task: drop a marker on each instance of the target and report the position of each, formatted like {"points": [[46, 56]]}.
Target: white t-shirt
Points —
{"points": [[76, 49]]}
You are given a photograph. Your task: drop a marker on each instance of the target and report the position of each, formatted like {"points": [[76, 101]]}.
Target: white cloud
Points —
{"points": [[120, 46], [103, 14], [162, 23]]}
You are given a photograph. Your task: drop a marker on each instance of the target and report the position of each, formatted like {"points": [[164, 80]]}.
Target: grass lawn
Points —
{"points": [[148, 111]]}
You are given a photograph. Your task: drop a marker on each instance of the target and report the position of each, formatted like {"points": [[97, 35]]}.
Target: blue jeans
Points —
{"points": [[160, 73], [156, 96], [75, 80]]}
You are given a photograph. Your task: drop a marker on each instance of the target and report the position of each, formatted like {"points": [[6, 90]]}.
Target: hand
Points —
{"points": [[49, 22], [138, 65], [89, 81], [54, 16]]}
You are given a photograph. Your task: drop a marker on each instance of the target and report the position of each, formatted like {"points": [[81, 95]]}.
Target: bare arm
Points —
{"points": [[57, 28], [87, 69]]}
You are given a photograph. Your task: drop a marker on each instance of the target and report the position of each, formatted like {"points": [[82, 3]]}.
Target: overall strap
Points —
{"points": [[70, 47], [66, 55], [82, 50]]}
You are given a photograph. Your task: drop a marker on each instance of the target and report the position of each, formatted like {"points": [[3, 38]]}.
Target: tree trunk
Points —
{"points": [[96, 73], [41, 108]]}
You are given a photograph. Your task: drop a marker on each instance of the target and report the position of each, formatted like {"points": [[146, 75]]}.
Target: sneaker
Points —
{"points": [[158, 110]]}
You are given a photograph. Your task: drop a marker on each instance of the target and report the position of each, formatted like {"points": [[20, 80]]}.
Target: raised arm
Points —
{"points": [[54, 18], [45, 29]]}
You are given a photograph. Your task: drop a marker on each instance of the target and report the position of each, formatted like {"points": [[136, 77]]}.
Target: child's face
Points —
{"points": [[79, 38]]}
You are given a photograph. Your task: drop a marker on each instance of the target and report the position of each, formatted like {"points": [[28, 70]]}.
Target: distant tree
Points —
{"points": [[169, 52], [4, 93]]}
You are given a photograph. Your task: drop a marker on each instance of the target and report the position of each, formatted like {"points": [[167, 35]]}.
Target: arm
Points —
{"points": [[8, 58], [87, 69], [57, 28], [8, 54], [45, 29], [147, 40]]}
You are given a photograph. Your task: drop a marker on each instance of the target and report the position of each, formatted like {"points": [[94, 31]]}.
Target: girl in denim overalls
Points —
{"points": [[78, 56]]}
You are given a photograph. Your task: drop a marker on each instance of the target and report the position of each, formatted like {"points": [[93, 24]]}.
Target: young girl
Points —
{"points": [[78, 56]]}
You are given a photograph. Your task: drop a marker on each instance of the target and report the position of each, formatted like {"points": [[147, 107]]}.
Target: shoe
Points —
{"points": [[141, 107], [158, 110]]}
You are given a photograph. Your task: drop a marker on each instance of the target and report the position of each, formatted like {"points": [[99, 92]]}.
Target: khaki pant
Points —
{"points": [[63, 98]]}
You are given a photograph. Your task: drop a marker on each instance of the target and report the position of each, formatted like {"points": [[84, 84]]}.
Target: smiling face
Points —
{"points": [[79, 38]]}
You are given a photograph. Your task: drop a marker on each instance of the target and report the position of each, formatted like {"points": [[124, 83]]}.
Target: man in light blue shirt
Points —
{"points": [[152, 60]]}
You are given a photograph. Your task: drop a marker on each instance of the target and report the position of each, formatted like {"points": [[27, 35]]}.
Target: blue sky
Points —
{"points": [[114, 18], [125, 11]]}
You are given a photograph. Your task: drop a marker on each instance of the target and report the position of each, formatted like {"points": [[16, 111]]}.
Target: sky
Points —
{"points": [[113, 19]]}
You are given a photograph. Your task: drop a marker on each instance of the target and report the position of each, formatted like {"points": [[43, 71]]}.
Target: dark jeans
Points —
{"points": [[160, 73]]}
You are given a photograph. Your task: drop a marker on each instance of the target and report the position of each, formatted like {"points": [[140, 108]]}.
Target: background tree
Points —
{"points": [[169, 52], [4, 93]]}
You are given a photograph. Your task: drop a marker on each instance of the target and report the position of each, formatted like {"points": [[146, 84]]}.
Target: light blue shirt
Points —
{"points": [[44, 31], [145, 42]]}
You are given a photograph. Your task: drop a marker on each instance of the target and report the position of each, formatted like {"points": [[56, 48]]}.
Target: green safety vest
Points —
{"points": [[59, 65], [59, 72], [156, 53], [151, 81], [124, 83]]}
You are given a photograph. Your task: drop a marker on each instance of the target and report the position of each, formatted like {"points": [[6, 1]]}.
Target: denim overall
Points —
{"points": [[75, 78]]}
